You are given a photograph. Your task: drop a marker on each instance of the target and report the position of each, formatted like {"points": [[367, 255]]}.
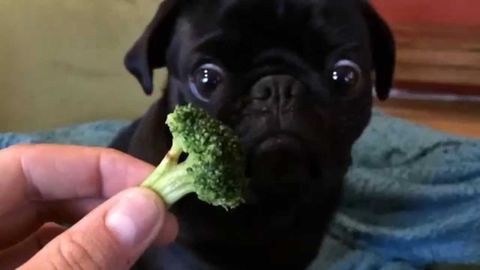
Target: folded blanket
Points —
{"points": [[412, 195], [412, 199], [99, 133]]}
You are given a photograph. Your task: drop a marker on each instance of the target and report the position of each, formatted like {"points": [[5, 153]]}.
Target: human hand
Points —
{"points": [[87, 187]]}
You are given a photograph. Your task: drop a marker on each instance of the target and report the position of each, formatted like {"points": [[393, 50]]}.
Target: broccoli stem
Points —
{"points": [[170, 179]]}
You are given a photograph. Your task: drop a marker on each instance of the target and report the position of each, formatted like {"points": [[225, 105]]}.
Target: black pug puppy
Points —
{"points": [[294, 79]]}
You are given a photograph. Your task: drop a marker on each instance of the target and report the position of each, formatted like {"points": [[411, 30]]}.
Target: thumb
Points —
{"points": [[113, 236]]}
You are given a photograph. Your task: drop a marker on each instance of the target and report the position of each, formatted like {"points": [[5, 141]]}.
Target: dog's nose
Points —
{"points": [[280, 89]]}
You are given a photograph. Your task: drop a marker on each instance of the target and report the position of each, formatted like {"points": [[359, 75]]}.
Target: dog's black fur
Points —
{"points": [[270, 65]]}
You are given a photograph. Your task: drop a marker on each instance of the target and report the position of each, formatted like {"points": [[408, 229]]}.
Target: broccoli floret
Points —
{"points": [[214, 167]]}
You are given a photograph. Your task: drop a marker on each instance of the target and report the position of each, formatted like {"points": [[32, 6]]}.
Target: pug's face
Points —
{"points": [[293, 78]]}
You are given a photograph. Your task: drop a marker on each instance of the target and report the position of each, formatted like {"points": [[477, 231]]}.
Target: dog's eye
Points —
{"points": [[205, 80], [345, 76]]}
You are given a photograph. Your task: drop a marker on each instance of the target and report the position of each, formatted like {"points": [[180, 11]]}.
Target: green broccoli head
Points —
{"points": [[215, 165]]}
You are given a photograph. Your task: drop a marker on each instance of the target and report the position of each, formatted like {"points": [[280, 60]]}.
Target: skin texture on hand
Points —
{"points": [[93, 190]]}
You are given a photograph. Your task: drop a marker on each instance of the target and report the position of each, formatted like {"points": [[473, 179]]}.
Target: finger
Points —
{"points": [[61, 212], [35, 174], [169, 230], [17, 255], [67, 211], [113, 236]]}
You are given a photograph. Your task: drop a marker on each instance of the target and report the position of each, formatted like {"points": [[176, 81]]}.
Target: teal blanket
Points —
{"points": [[412, 196]]}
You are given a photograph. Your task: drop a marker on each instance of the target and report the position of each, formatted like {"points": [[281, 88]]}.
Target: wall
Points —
{"points": [[61, 62]]}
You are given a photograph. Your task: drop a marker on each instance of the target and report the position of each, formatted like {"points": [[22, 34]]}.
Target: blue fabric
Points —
{"points": [[412, 195], [412, 199], [99, 133]]}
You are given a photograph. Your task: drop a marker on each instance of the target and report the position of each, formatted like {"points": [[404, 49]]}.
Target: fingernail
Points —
{"points": [[134, 217]]}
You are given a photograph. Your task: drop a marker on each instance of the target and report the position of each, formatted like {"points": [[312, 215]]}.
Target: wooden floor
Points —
{"points": [[460, 118]]}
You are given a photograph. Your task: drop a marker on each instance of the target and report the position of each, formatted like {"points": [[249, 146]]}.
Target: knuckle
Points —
{"points": [[16, 148], [72, 254]]}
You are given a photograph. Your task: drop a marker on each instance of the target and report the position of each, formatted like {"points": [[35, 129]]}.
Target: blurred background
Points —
{"points": [[61, 62], [438, 65]]}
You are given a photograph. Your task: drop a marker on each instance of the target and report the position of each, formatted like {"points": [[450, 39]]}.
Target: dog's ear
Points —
{"points": [[149, 51], [382, 43]]}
